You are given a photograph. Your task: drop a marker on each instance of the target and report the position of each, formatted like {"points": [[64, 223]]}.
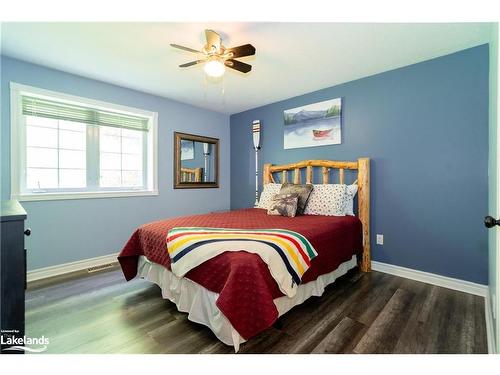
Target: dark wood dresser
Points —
{"points": [[12, 270]]}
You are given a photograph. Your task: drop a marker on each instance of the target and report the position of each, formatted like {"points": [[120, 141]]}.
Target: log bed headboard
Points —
{"points": [[191, 174], [362, 166]]}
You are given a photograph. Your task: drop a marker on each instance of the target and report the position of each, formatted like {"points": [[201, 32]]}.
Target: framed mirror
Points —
{"points": [[196, 161]]}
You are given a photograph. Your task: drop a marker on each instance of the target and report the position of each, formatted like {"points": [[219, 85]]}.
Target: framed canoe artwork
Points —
{"points": [[317, 124], [187, 150]]}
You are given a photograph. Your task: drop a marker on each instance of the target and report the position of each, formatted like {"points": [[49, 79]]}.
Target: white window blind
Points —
{"points": [[52, 109]]}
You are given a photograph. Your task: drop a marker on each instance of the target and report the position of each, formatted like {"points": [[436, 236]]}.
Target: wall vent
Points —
{"points": [[100, 267]]}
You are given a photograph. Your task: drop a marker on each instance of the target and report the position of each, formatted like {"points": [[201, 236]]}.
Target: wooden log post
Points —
{"points": [[198, 172], [266, 179], [326, 174], [364, 211], [296, 176], [309, 174]]}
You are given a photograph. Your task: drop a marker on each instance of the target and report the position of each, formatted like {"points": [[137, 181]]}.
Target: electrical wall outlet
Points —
{"points": [[380, 239]]}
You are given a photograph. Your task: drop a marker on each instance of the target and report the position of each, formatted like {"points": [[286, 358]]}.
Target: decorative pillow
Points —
{"points": [[270, 190], [351, 193], [328, 200], [303, 192], [284, 205]]}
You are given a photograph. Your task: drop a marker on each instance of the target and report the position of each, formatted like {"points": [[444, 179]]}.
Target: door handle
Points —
{"points": [[490, 222]]}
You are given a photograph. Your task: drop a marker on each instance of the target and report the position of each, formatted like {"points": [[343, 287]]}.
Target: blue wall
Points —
{"points": [[70, 230], [425, 127]]}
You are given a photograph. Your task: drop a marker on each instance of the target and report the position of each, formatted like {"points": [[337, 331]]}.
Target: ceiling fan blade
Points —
{"points": [[213, 40], [238, 65], [242, 51], [191, 63], [185, 48]]}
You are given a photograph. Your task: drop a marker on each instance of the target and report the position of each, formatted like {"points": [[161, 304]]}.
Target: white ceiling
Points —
{"points": [[291, 58]]}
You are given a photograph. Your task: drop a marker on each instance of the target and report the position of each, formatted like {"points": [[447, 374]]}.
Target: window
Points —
{"points": [[71, 147], [121, 157]]}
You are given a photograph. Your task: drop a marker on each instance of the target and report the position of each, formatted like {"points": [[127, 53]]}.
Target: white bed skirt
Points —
{"points": [[199, 302]]}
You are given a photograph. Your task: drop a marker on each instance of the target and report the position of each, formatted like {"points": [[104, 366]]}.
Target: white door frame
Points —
{"points": [[497, 228], [492, 303], [496, 301]]}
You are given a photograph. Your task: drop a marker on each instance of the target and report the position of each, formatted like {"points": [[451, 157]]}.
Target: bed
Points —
{"points": [[234, 293]]}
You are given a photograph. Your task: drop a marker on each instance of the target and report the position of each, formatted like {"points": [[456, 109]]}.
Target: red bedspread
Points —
{"points": [[245, 286]]}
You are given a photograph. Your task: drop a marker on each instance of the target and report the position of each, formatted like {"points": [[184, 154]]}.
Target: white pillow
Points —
{"points": [[267, 195], [351, 193], [328, 200]]}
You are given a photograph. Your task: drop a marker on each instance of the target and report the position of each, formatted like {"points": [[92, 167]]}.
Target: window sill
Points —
{"points": [[83, 195]]}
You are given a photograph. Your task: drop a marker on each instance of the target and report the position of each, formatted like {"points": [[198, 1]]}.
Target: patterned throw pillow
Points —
{"points": [[351, 193], [303, 192], [284, 205], [270, 190], [328, 200]]}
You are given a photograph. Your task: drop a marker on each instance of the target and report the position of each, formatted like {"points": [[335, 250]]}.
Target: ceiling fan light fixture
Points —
{"points": [[214, 68], [215, 56]]}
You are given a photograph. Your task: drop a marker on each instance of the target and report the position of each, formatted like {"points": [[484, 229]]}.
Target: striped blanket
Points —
{"points": [[287, 254]]}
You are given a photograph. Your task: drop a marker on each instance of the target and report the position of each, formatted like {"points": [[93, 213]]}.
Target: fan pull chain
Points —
{"points": [[205, 85], [223, 91]]}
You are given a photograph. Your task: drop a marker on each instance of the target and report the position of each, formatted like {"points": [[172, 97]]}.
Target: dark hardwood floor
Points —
{"points": [[359, 313]]}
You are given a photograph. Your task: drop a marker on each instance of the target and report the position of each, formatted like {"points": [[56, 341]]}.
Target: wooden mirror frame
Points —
{"points": [[178, 184]]}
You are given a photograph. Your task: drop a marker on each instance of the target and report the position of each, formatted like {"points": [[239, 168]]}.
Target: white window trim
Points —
{"points": [[16, 154]]}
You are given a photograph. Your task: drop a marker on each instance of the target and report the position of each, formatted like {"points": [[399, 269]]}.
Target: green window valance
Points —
{"points": [[34, 106]]}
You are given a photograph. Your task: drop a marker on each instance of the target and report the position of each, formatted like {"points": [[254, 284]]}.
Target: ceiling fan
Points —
{"points": [[216, 56]]}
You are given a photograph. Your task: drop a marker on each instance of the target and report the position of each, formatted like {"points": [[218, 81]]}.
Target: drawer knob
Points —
{"points": [[27, 232]]}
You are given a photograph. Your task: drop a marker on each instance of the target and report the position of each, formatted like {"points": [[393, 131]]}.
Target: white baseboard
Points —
{"points": [[490, 334], [62, 269], [431, 278]]}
